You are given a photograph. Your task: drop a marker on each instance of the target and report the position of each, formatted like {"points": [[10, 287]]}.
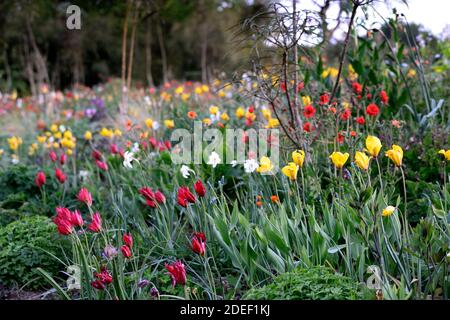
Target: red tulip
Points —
{"points": [[184, 196], [360, 120], [62, 159], [101, 165], [147, 193], [40, 179], [60, 175], [324, 99], [357, 88], [126, 251], [372, 110], [299, 87], [128, 239], [177, 273], [346, 114], [309, 112], [85, 196], [384, 97], [198, 243], [76, 219], [63, 221], [96, 155], [53, 156], [200, 188], [96, 223], [97, 284], [160, 197], [114, 149]]}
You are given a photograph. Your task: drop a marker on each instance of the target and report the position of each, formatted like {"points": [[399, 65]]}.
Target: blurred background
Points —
{"points": [[166, 39]]}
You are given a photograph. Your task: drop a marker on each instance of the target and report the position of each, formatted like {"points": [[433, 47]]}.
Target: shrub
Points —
{"points": [[25, 245], [317, 283]]}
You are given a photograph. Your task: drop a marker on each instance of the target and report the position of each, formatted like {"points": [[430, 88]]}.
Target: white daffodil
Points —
{"points": [[185, 171], [250, 165], [128, 157], [214, 159], [234, 163]]}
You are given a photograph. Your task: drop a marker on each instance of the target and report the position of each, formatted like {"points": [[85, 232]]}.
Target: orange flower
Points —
{"points": [[192, 115], [275, 199], [258, 203]]}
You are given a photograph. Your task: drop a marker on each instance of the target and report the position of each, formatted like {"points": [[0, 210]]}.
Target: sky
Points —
{"points": [[432, 14]]}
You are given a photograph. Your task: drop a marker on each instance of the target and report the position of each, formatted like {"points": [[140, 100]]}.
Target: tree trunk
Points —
{"points": [[133, 40], [124, 56], [163, 52], [148, 54]]}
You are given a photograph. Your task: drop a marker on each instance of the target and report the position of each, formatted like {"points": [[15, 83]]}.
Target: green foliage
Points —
{"points": [[25, 245], [317, 283]]}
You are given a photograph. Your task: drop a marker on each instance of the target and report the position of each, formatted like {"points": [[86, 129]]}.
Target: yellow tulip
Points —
{"points": [[41, 139], [339, 159], [389, 210], [240, 112], [169, 124], [272, 123], [105, 132], [58, 135], [290, 171], [298, 156], [446, 154], [265, 165], [213, 110], [117, 133], [54, 128], [14, 143], [266, 113], [149, 123], [207, 121], [224, 117], [306, 100], [88, 135], [362, 160], [373, 146], [396, 155], [68, 134]]}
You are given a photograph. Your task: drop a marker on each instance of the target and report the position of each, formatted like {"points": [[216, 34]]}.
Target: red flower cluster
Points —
{"points": [[60, 176], [152, 198], [159, 145], [66, 220], [198, 243], [126, 248], [177, 273], [102, 279]]}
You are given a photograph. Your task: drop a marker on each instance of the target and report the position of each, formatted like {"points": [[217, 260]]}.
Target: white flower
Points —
{"points": [[83, 174], [15, 159], [155, 125], [213, 159], [185, 171], [62, 128], [250, 165], [127, 158], [135, 148], [234, 163]]}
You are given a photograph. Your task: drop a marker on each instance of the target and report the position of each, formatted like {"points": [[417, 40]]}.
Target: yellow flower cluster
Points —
{"points": [[14, 143]]}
